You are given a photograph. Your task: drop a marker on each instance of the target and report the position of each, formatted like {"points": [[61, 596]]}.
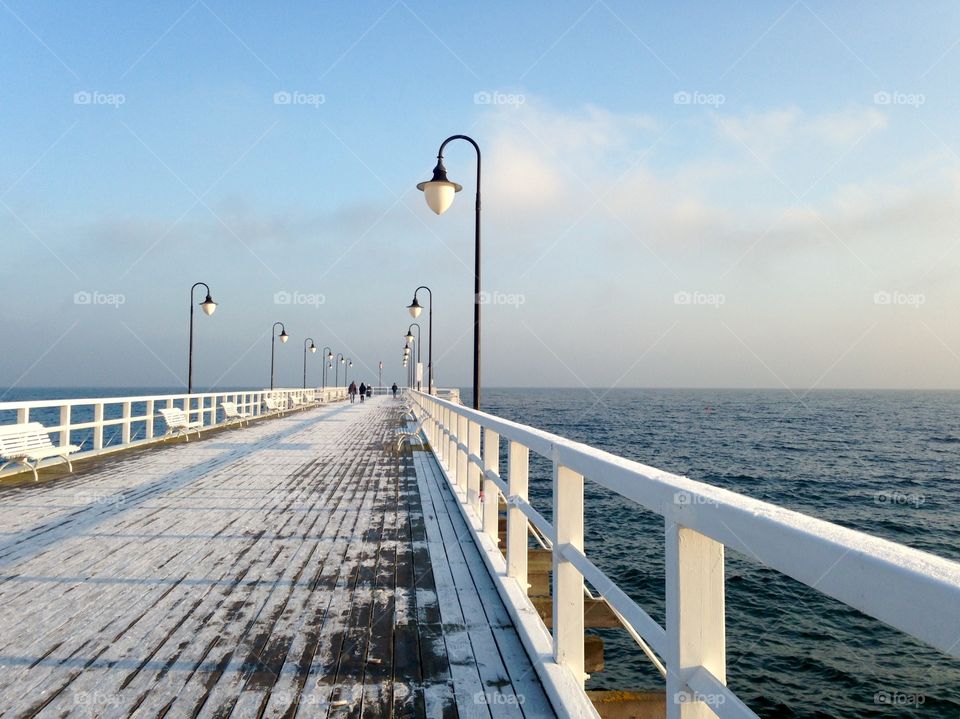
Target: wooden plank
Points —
{"points": [[596, 613]]}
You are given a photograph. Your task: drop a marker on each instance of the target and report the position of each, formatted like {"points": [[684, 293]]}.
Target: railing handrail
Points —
{"points": [[909, 589], [59, 402]]}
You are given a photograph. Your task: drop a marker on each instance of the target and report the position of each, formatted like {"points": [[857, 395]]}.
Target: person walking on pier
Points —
{"points": [[352, 391], [394, 388], [363, 391]]}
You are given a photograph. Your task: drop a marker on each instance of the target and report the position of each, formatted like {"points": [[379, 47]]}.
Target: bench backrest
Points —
{"points": [[269, 403], [230, 409], [174, 416], [23, 438]]}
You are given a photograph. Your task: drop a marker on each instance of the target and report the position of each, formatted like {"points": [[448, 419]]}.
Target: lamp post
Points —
{"points": [[336, 376], [415, 310], [409, 339], [346, 369], [439, 192], [273, 343], [208, 306], [327, 363], [313, 349]]}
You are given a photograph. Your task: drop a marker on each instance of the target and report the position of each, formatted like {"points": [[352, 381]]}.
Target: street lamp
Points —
{"points": [[313, 349], [273, 342], [349, 364], [208, 306], [439, 193], [415, 309], [409, 338], [327, 363], [340, 361]]}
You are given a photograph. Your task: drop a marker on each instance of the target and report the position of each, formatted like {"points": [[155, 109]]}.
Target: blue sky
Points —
{"points": [[715, 194]]}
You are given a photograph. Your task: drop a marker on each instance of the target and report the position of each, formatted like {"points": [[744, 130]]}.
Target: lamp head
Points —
{"points": [[415, 308], [208, 305], [439, 191], [313, 347], [284, 336]]}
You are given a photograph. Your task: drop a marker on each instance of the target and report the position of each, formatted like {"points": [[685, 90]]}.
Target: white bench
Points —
{"points": [[231, 412], [272, 405], [409, 436], [178, 424], [29, 442]]}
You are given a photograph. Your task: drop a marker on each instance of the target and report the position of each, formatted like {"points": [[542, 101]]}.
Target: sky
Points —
{"points": [[700, 194]]}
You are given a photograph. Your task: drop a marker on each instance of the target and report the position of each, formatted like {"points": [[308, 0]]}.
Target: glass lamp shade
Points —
{"points": [[415, 308], [409, 337], [284, 336], [208, 305], [439, 195], [313, 348], [439, 191]]}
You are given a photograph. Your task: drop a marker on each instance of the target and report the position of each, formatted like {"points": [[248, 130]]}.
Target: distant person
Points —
{"points": [[352, 391], [369, 390], [363, 391], [394, 390]]}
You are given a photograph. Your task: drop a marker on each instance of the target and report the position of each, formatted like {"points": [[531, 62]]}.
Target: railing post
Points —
{"points": [[491, 495], [696, 632], [125, 435], [452, 420], [64, 425], [462, 423], [23, 415], [149, 415], [568, 629], [518, 469], [473, 471], [441, 442], [98, 426]]}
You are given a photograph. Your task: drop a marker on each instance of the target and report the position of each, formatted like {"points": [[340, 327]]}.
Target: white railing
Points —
{"points": [[913, 591], [107, 424]]}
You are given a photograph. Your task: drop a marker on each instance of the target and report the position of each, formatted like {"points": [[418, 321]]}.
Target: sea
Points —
{"points": [[882, 462]]}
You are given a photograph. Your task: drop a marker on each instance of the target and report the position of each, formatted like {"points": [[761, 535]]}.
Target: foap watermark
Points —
{"points": [[711, 700], [511, 299], [899, 299], [95, 699], [687, 498], [706, 299], [296, 97], [498, 699], [495, 97], [900, 699], [85, 498], [96, 298], [695, 97], [310, 299], [95, 97], [900, 499], [910, 99]]}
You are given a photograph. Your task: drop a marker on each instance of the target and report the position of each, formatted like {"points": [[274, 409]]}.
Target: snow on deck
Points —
{"points": [[298, 567]]}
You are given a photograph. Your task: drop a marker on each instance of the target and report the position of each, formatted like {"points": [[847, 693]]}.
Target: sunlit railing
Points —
{"points": [[913, 591], [106, 424]]}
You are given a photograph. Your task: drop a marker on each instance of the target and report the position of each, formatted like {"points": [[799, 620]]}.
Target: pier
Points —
{"points": [[307, 563], [293, 568]]}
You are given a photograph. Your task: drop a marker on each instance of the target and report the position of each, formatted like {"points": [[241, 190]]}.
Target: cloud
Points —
{"points": [[772, 132]]}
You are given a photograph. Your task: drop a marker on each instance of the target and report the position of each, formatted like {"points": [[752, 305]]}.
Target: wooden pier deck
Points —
{"points": [[299, 567]]}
